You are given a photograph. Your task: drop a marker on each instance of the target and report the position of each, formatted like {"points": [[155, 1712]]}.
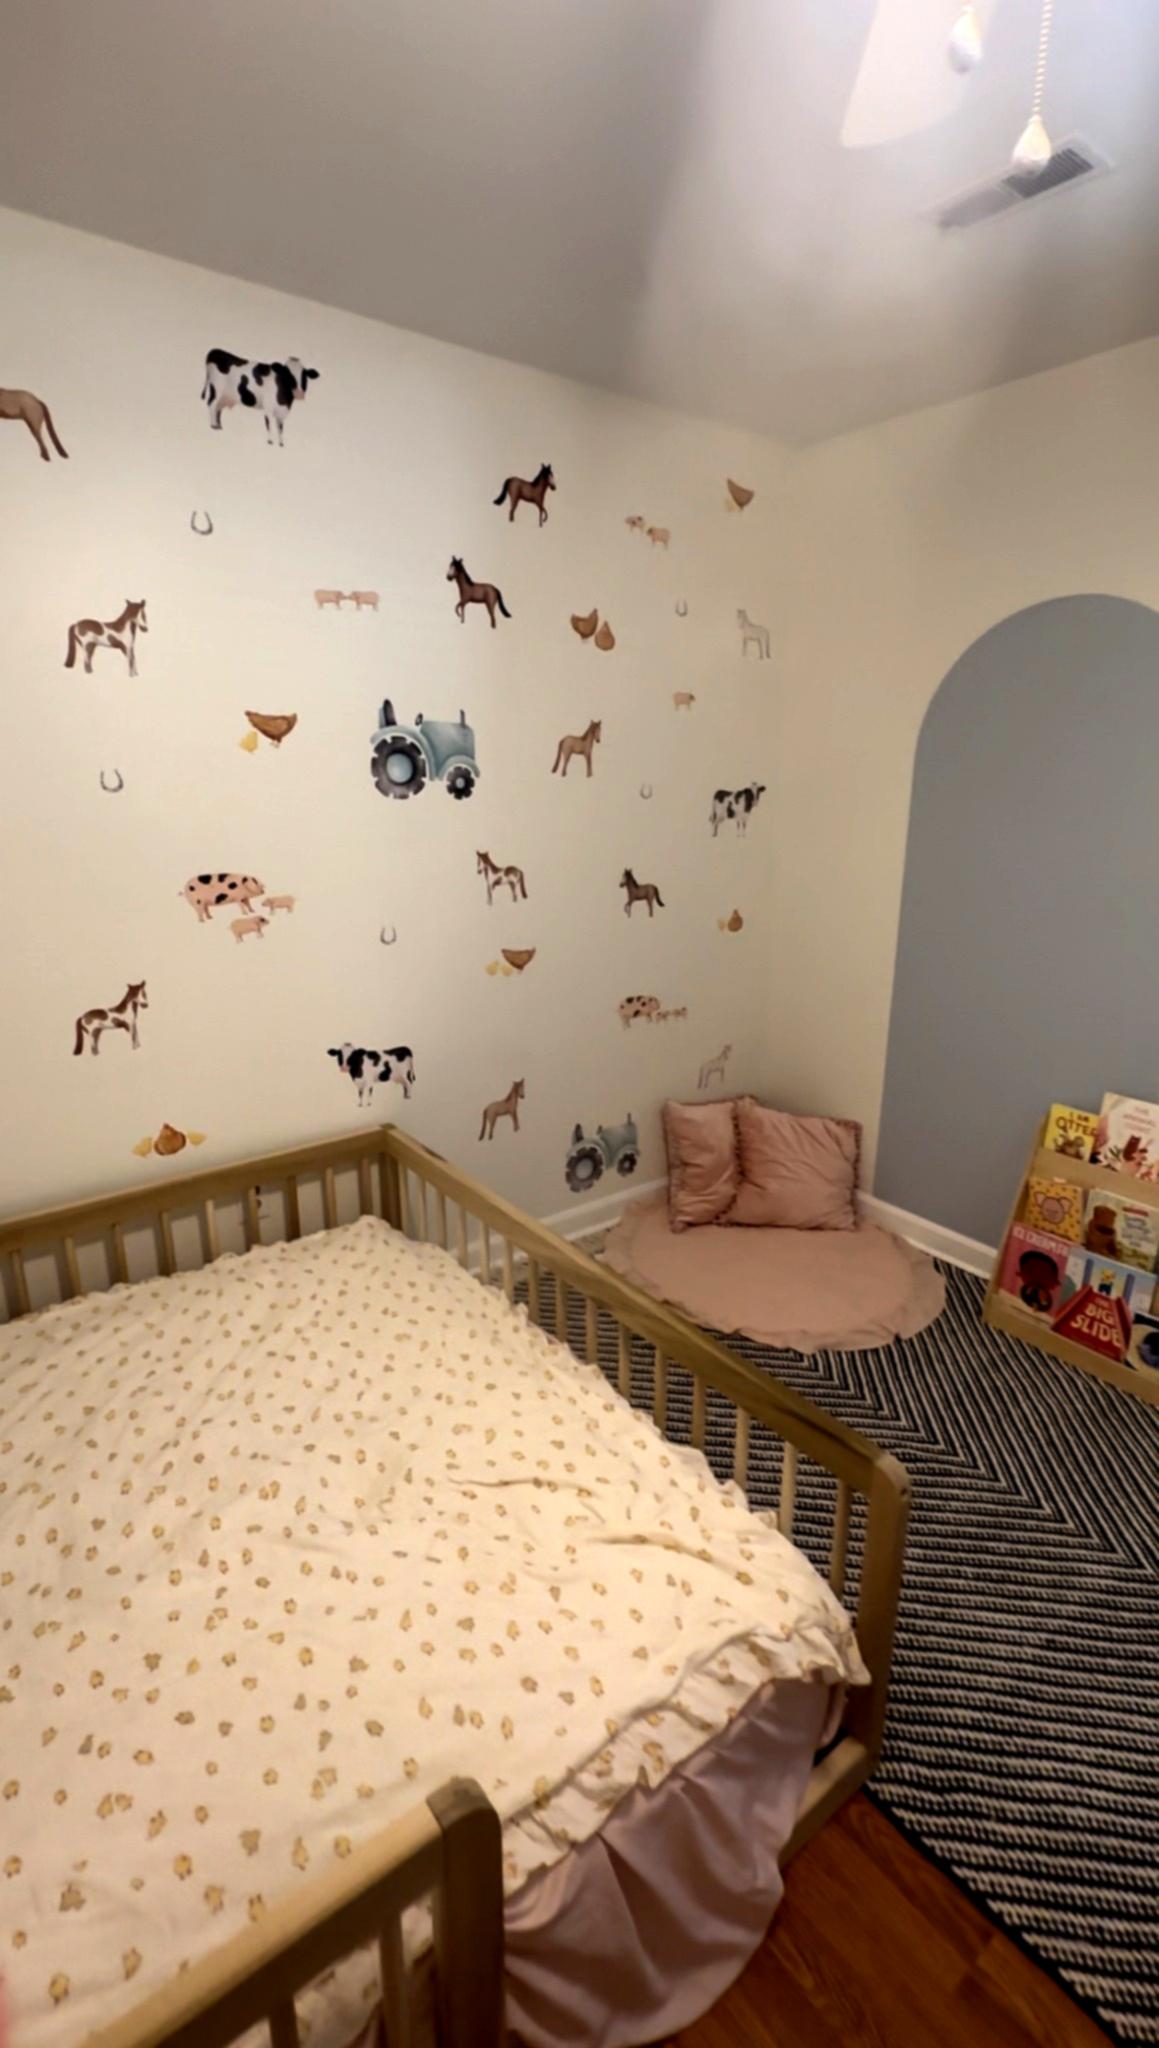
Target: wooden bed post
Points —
{"points": [[468, 1913], [878, 1594]]}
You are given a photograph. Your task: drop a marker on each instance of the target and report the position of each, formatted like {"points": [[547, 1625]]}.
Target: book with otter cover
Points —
{"points": [[1070, 1131]]}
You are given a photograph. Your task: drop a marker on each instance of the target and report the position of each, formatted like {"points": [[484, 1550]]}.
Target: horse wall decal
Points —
{"points": [[517, 491], [508, 1105], [640, 892], [495, 876], [86, 635], [122, 1016], [24, 405], [574, 743], [474, 593]]}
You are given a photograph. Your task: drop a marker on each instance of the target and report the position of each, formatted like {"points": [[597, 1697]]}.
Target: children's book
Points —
{"points": [[1070, 1131], [1055, 1205], [1034, 1265], [1111, 1277], [1127, 1139], [1114, 1227], [1143, 1348], [1100, 1321]]}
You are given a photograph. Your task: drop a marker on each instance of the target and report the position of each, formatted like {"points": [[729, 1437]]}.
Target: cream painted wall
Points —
{"points": [[389, 468], [906, 542]]}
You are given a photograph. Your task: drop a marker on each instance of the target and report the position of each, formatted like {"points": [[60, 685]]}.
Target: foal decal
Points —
{"points": [[497, 877], [507, 1105], [574, 743], [754, 634], [24, 405], [470, 592], [640, 892], [365, 1068], [91, 1025], [517, 491], [86, 635]]}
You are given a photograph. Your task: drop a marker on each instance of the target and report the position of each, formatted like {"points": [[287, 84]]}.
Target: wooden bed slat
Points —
{"points": [[840, 1546], [660, 1392], [209, 1214], [293, 1209], [624, 1361], [560, 1305], [329, 1199], [533, 1301], [740, 1451], [71, 1268], [591, 1332], [442, 1219], [365, 1188], [284, 2026], [20, 1284], [699, 1413], [787, 1504], [251, 1211], [168, 1249], [464, 1254], [508, 1270], [425, 1233], [485, 1267], [120, 1262], [395, 1990]]}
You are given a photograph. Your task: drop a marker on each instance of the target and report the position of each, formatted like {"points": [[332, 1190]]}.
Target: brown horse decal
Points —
{"points": [[574, 743], [24, 405], [122, 1016], [640, 892], [508, 1105], [517, 491], [474, 593], [86, 635]]}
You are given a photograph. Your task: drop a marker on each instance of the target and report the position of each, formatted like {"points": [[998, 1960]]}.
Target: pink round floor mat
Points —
{"points": [[804, 1290]]}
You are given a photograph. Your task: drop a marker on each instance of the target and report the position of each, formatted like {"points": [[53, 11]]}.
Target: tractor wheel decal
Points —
{"points": [[399, 751], [627, 1162], [460, 783], [584, 1168]]}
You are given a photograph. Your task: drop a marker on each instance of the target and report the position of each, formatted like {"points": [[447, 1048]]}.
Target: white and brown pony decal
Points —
{"points": [[496, 876], [471, 592], [91, 1025], [86, 635], [517, 491]]}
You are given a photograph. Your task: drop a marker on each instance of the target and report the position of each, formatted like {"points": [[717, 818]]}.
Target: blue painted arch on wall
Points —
{"points": [[1028, 952]]}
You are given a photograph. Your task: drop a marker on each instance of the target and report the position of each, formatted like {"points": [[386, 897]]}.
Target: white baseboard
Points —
{"points": [[599, 1212], [967, 1252]]}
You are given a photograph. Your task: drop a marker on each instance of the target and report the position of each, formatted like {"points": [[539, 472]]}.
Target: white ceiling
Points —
{"points": [[645, 194]]}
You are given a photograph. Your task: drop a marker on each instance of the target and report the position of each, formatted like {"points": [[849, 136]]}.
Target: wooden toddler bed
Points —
{"points": [[448, 1848]]}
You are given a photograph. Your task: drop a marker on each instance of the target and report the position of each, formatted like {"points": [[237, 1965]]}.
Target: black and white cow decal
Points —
{"points": [[735, 806], [270, 387], [365, 1068]]}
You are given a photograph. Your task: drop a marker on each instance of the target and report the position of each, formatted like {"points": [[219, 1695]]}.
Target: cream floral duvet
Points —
{"points": [[286, 1543]]}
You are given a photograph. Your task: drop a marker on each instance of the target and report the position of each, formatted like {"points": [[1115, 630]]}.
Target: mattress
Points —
{"points": [[287, 1542]]}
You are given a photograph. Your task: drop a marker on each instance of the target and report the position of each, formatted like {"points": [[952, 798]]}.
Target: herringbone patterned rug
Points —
{"points": [[1022, 1748]]}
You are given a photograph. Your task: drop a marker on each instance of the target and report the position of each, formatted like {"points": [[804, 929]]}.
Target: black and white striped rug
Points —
{"points": [[1022, 1747]]}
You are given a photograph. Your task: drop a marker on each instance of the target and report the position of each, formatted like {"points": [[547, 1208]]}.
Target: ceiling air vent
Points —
{"points": [[1071, 161]]}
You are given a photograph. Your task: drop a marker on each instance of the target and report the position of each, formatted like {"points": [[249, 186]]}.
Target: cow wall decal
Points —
{"points": [[269, 388], [86, 635], [24, 405], [365, 1067], [735, 806], [517, 491]]}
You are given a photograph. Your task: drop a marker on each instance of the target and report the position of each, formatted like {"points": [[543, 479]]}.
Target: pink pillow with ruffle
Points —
{"points": [[796, 1172], [702, 1161]]}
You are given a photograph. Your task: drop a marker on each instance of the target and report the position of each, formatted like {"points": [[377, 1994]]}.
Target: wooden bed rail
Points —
{"points": [[449, 1848]]}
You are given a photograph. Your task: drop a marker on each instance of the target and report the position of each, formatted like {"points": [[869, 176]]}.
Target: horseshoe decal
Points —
{"points": [[207, 528], [645, 790], [382, 938], [113, 788], [682, 607]]}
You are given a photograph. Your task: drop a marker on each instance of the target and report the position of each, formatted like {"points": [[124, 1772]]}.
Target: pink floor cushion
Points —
{"points": [[805, 1290]]}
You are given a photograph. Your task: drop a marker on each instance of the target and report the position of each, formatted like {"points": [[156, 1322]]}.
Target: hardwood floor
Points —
{"points": [[874, 1948]]}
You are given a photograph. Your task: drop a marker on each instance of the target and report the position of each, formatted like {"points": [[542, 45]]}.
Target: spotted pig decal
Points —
{"points": [[206, 892]]}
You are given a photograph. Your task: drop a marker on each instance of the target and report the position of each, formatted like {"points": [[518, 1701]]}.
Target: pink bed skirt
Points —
{"points": [[639, 1930]]}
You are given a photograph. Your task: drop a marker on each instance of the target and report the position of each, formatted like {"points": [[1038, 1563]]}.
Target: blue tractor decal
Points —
{"points": [[615, 1145], [404, 758]]}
